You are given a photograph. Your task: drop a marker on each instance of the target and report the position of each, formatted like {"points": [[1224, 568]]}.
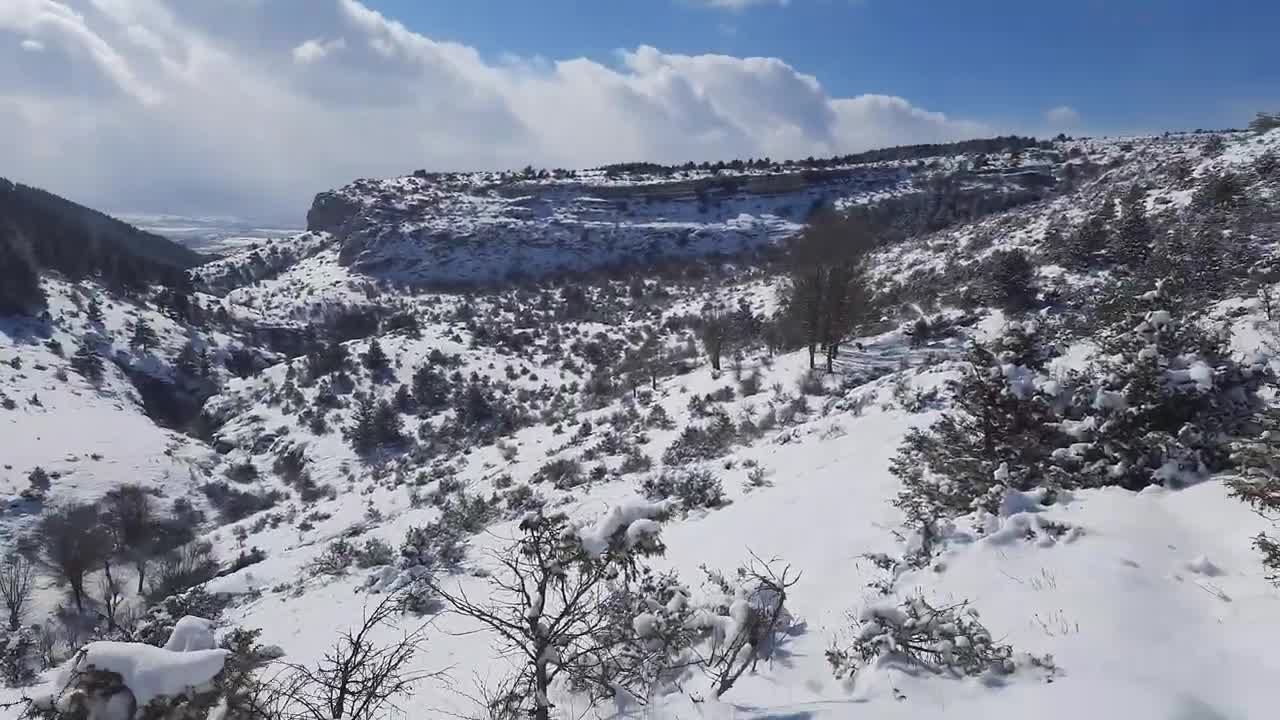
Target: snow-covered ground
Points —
{"points": [[1153, 604]]}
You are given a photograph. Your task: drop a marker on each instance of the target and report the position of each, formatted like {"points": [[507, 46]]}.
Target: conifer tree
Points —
{"points": [[1134, 237], [1258, 481], [143, 338], [88, 363], [374, 359], [94, 312], [999, 435]]}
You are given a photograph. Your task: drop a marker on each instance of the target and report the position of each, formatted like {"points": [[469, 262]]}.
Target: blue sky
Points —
{"points": [[1124, 65], [251, 107]]}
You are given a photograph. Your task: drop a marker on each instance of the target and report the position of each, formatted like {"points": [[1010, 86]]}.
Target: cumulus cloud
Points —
{"points": [[249, 107]]}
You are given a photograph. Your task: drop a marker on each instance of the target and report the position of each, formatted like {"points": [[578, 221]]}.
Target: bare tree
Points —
{"points": [[547, 606], [130, 517], [716, 334], [73, 544], [827, 297], [17, 579], [357, 679]]}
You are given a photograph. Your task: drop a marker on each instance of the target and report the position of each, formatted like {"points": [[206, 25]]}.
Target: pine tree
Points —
{"points": [[94, 312], [144, 338], [362, 433], [87, 362], [387, 424], [1164, 399], [188, 361], [1134, 236], [1010, 278], [374, 359], [999, 435], [430, 389]]}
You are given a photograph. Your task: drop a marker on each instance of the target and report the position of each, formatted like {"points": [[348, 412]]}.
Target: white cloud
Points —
{"points": [[32, 45], [1063, 117], [313, 50], [223, 108]]}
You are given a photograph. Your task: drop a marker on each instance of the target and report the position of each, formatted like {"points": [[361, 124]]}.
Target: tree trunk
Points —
{"points": [[813, 351], [542, 705], [832, 351], [77, 593], [142, 572]]}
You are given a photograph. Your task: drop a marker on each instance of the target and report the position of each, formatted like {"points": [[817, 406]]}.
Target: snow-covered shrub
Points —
{"points": [[1162, 403], [705, 441], [548, 603], [159, 620], [999, 435], [692, 489], [19, 657], [659, 419], [336, 559], [434, 545], [743, 620], [1257, 482], [948, 640]]}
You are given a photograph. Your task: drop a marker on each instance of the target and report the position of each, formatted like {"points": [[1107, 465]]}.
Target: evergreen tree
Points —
{"points": [[1165, 398], [94, 312], [88, 363], [1009, 279], [362, 433], [374, 359], [999, 435], [388, 427], [1258, 481], [143, 338], [188, 361], [430, 389], [1134, 237]]}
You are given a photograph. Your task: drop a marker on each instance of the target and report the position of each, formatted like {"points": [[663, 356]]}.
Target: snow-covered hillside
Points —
{"points": [[419, 434]]}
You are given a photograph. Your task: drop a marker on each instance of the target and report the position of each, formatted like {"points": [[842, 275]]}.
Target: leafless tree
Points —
{"points": [[73, 544], [827, 296], [716, 334], [130, 517], [358, 678], [17, 579], [546, 605]]}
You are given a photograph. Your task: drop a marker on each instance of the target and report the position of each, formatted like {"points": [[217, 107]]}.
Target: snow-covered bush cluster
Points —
{"points": [[949, 639], [1160, 405]]}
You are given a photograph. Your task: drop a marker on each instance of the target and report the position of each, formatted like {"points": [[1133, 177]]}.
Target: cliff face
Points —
{"points": [[479, 229]]}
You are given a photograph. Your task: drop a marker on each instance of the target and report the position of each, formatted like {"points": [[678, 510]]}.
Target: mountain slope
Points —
{"points": [[411, 413]]}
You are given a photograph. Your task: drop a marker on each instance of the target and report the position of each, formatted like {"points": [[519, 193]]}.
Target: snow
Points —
{"points": [[191, 634], [148, 672], [635, 518], [1152, 604]]}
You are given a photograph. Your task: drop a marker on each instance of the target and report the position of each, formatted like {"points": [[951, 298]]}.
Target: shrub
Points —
{"points": [[693, 489], [702, 442], [181, 569], [563, 473], [233, 504], [947, 640]]}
